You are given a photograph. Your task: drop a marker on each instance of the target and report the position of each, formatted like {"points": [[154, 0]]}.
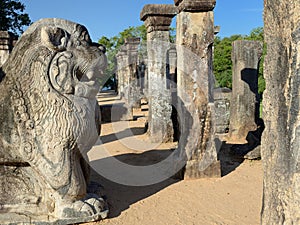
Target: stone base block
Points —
{"points": [[192, 170]]}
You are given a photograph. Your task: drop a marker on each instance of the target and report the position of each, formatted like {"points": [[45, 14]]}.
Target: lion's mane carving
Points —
{"points": [[49, 115]]}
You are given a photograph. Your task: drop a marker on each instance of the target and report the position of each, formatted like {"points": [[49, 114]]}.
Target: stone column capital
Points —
{"points": [[6, 40], [195, 5], [158, 17], [132, 44]]}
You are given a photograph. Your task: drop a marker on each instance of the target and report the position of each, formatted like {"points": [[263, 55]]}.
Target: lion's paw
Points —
{"points": [[92, 206]]}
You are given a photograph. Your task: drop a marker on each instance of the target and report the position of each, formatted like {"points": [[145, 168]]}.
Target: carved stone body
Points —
{"points": [[48, 122]]}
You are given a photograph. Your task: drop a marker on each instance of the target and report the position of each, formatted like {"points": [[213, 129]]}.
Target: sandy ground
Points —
{"points": [[235, 198]]}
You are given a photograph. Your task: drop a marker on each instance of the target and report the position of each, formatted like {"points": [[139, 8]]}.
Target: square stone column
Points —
{"points": [[194, 42], [157, 20], [133, 92], [281, 113], [121, 70], [244, 107]]}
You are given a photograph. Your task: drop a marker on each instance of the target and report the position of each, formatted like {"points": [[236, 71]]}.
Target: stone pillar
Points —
{"points": [[133, 94], [6, 45], [157, 21], [194, 41], [281, 113], [244, 108], [121, 70]]}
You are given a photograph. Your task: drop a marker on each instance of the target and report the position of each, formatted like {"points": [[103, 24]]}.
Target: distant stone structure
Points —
{"points": [[49, 119], [127, 74], [281, 113], [195, 82], [244, 107], [122, 62], [7, 40], [157, 20], [222, 98]]}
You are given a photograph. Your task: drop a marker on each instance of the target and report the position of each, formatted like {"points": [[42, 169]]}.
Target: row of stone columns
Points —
{"points": [[194, 100], [180, 79]]}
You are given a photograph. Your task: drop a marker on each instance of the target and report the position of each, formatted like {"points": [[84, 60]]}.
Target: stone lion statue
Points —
{"points": [[48, 122]]}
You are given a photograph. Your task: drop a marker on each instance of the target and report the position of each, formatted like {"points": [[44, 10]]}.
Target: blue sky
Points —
{"points": [[109, 17]]}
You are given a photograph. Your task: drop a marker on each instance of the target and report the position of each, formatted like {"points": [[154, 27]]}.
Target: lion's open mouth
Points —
{"points": [[86, 85]]}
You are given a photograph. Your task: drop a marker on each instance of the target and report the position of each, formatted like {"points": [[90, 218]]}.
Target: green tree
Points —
{"points": [[222, 60], [113, 45], [12, 17]]}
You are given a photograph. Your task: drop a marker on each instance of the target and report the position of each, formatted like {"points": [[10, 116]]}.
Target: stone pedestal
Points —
{"points": [[281, 113], [157, 21], [194, 41], [244, 109], [6, 45]]}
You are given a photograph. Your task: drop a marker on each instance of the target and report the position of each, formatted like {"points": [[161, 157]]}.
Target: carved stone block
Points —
{"points": [[48, 122]]}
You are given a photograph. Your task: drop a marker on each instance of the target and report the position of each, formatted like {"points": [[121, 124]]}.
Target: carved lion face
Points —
{"points": [[78, 63]]}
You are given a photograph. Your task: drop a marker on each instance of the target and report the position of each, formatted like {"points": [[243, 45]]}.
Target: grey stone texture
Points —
{"points": [[222, 98], [49, 119], [195, 82], [157, 20], [244, 108], [281, 107]]}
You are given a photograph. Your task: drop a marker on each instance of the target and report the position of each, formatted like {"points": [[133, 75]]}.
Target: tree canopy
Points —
{"points": [[12, 16]]}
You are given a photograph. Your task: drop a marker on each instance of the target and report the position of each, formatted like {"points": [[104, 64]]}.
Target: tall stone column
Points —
{"points": [[133, 94], [244, 107], [194, 41], [121, 70], [6, 45], [281, 113], [157, 20]]}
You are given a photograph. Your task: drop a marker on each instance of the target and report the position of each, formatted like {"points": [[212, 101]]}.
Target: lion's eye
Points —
{"points": [[79, 74]]}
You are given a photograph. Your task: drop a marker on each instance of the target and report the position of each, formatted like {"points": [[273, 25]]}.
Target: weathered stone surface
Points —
{"points": [[194, 41], [195, 5], [244, 107], [159, 96], [222, 109], [281, 106], [48, 122]]}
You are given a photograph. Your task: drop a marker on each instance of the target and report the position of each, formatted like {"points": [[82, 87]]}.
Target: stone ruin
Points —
{"points": [[281, 113], [244, 109], [195, 84], [157, 20], [222, 98], [49, 119]]}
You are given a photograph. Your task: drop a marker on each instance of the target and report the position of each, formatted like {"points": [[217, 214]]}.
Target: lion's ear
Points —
{"points": [[54, 38]]}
